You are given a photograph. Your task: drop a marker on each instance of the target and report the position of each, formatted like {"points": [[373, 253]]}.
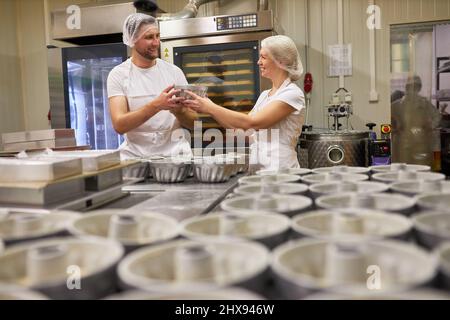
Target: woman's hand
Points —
{"points": [[199, 104], [167, 99]]}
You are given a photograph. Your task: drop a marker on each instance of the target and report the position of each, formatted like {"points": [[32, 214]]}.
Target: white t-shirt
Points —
{"points": [[289, 129], [146, 81], [140, 86]]}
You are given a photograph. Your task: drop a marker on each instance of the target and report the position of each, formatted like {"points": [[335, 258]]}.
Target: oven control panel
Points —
{"points": [[237, 22]]}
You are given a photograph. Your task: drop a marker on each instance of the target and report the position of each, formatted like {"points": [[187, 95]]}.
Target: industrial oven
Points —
{"points": [[220, 52]]}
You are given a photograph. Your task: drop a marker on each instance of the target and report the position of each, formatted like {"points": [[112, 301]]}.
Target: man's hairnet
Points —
{"points": [[135, 26], [285, 54]]}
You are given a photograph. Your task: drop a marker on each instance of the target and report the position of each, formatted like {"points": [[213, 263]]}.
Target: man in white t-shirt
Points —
{"points": [[142, 98]]}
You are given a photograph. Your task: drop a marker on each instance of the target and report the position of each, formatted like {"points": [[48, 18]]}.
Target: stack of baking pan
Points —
{"points": [[40, 139], [39, 182], [104, 163]]}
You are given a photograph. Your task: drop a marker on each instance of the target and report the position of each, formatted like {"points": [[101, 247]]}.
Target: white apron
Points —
{"points": [[155, 137]]}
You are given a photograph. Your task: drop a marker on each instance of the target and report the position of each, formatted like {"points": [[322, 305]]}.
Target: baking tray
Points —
{"points": [[37, 135], [93, 160], [41, 144], [89, 199], [96, 199], [26, 170], [41, 194], [104, 180], [12, 154]]}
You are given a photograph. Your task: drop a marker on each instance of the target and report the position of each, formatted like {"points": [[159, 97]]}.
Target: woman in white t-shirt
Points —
{"points": [[277, 116]]}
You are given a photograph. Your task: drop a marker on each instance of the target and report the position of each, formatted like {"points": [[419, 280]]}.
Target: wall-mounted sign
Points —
{"points": [[340, 60]]}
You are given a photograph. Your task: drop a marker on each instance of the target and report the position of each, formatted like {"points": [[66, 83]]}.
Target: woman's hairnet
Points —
{"points": [[135, 26], [285, 54]]}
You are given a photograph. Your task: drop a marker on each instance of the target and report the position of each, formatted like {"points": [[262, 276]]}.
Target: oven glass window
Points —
{"points": [[86, 71], [88, 100], [229, 71]]}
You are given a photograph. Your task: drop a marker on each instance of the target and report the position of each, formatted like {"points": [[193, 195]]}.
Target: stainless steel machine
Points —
{"points": [[326, 148], [336, 145]]}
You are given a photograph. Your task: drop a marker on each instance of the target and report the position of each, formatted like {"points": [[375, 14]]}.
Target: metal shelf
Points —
{"points": [[446, 69]]}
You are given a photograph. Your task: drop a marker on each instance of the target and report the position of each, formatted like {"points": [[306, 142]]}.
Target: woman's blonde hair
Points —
{"points": [[285, 54]]}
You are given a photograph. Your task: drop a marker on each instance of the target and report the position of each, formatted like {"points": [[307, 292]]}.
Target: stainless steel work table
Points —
{"points": [[179, 200]]}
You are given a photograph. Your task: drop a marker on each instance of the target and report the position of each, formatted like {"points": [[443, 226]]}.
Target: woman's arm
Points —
{"points": [[266, 118]]}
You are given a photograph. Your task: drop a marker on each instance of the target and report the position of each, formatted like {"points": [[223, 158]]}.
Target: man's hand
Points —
{"points": [[167, 99]]}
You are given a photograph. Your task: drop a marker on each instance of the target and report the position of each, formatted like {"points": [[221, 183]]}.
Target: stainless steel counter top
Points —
{"points": [[179, 200]]}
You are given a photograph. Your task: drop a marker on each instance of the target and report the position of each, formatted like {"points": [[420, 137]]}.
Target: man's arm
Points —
{"points": [[124, 120]]}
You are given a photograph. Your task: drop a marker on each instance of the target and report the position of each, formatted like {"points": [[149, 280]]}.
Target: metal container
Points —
{"points": [[243, 162], [390, 177], [37, 135], [363, 187], [351, 224], [272, 188], [104, 180], [291, 171], [133, 230], [52, 266], [192, 266], [377, 201], [342, 169], [306, 266], [213, 170], [26, 170], [399, 167], [42, 144], [434, 201], [331, 148], [92, 160], [413, 188], [432, 228], [140, 170], [287, 205], [170, 171], [267, 228], [236, 161], [224, 294], [29, 225], [41, 194], [332, 176], [444, 269], [259, 180], [195, 88]]}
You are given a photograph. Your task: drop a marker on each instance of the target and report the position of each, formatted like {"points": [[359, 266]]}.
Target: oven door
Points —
{"points": [[78, 94]]}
